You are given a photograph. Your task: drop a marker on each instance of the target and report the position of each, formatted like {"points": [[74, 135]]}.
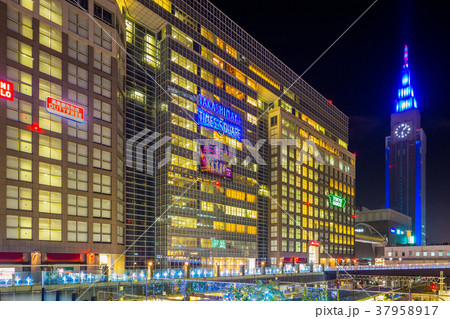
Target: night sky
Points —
{"points": [[361, 74]]}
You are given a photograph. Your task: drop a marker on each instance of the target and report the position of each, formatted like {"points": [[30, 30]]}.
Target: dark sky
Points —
{"points": [[361, 74]]}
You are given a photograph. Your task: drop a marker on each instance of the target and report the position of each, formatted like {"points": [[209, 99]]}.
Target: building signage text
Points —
{"points": [[64, 109]]}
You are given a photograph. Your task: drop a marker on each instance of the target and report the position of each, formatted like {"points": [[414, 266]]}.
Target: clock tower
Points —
{"points": [[406, 159]]}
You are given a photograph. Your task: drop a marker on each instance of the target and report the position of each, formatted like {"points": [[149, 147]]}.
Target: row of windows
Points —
{"points": [[302, 247], [51, 175], [20, 227], [186, 222], [20, 198]]}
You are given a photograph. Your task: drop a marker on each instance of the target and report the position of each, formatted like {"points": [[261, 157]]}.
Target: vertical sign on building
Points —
{"points": [[6, 90]]}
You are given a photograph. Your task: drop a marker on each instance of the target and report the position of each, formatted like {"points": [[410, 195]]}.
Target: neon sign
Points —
{"points": [[6, 90], [206, 119], [314, 243], [219, 109], [337, 201], [64, 109]]}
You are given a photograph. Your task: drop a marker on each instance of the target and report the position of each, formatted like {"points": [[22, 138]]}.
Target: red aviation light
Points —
{"points": [[35, 128]]}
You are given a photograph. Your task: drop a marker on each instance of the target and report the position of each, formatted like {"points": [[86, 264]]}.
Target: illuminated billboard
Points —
{"points": [[219, 109], [64, 109], [6, 90], [209, 120], [227, 121], [337, 201], [215, 160]]}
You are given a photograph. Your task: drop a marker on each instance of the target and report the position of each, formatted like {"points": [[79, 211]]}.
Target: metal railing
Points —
{"points": [[391, 267], [63, 278]]}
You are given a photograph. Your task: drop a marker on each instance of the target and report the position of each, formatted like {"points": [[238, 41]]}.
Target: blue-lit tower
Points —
{"points": [[406, 159]]}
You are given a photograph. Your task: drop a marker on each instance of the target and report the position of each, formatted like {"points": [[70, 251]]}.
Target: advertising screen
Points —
{"points": [[215, 160]]}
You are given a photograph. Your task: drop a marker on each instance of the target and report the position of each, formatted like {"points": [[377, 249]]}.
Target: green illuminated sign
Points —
{"points": [[337, 201]]}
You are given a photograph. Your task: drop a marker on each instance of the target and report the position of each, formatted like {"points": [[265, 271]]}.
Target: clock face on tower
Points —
{"points": [[402, 130]]}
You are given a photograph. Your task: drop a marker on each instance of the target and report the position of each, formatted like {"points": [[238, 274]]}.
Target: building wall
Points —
{"points": [[61, 183], [302, 177], [417, 254], [203, 52]]}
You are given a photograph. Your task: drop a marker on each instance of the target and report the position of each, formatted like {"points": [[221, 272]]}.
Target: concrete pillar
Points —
{"points": [[187, 270], [217, 270]]}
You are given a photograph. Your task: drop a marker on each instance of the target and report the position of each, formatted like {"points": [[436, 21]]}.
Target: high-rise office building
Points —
{"points": [[312, 183], [186, 92], [208, 68], [406, 149], [62, 159]]}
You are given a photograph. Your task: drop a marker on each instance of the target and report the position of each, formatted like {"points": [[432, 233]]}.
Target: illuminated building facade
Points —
{"points": [[312, 184], [188, 74], [62, 187], [214, 81], [406, 159]]}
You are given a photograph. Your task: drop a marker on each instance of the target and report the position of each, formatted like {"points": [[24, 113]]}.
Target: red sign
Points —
{"points": [[6, 90], [64, 109], [314, 243]]}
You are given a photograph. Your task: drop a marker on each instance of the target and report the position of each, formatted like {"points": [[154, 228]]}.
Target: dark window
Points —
{"points": [[103, 14], [273, 120], [80, 3]]}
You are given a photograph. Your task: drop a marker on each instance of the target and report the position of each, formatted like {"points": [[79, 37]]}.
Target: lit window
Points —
{"points": [[77, 205], [119, 212], [102, 134], [102, 38], [50, 37], [78, 24], [48, 88], [19, 110], [102, 86], [50, 202], [184, 62], [18, 198], [50, 147], [22, 81], [18, 169], [77, 179], [77, 153], [120, 235], [18, 227], [184, 83], [19, 52], [78, 50], [78, 76], [50, 229], [79, 130], [150, 49], [77, 231], [18, 140], [102, 233], [183, 38], [119, 190], [49, 121], [102, 61], [20, 22], [49, 64], [231, 51], [51, 10], [101, 183], [50, 174]]}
